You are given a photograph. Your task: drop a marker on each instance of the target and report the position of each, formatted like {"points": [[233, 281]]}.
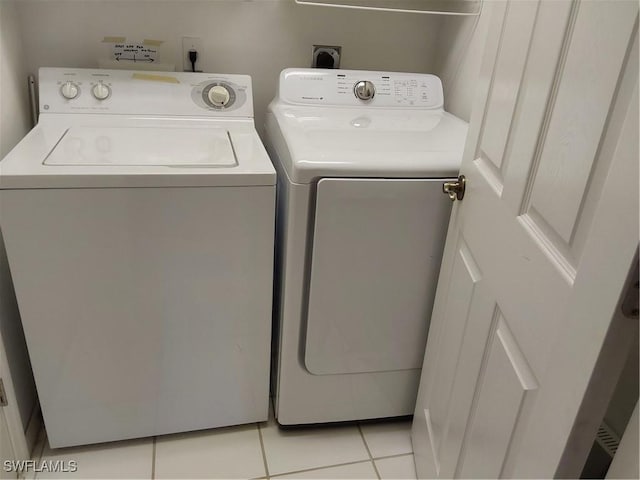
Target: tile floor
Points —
{"points": [[367, 450]]}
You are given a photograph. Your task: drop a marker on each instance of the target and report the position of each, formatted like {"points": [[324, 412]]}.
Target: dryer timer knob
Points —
{"points": [[219, 95], [364, 90]]}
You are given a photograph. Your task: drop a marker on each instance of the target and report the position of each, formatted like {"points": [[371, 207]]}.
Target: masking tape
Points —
{"points": [[152, 43], [114, 39], [155, 78]]}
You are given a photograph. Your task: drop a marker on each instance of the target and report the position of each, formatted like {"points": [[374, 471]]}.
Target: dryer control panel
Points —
{"points": [[75, 90], [308, 86]]}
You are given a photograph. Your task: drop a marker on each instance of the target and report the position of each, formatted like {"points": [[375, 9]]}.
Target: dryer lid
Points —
{"points": [[349, 142]]}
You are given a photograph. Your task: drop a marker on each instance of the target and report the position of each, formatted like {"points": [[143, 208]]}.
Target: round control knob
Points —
{"points": [[101, 91], [69, 90], [219, 95], [364, 90]]}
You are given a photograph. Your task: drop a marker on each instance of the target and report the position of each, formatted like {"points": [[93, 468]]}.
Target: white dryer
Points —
{"points": [[138, 218], [361, 222]]}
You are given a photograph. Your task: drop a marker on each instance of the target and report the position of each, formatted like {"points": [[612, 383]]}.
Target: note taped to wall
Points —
{"points": [[135, 52], [122, 53]]}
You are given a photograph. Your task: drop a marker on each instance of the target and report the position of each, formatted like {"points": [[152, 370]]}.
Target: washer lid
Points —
{"points": [[315, 142], [154, 146], [118, 151]]}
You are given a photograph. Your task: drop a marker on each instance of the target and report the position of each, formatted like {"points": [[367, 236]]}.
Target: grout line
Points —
{"points": [[153, 459], [393, 456], [264, 453], [375, 468], [323, 467]]}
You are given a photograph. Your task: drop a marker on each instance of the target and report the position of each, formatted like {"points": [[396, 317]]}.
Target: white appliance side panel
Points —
{"points": [[377, 248], [146, 311]]}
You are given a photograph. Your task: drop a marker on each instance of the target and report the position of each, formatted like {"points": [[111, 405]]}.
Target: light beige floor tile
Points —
{"points": [[396, 467], [305, 448], [127, 459], [388, 438], [232, 452], [354, 470]]}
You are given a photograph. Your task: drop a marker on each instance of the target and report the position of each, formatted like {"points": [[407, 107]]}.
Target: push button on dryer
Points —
{"points": [[364, 90]]}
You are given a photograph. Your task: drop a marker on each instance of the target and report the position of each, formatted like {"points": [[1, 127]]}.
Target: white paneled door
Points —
{"points": [[539, 249]]}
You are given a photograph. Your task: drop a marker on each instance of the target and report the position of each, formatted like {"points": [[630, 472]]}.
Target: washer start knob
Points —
{"points": [[219, 95], [364, 90], [69, 90], [101, 91]]}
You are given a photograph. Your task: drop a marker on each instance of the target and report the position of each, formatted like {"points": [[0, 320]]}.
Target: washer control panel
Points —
{"points": [[306, 86], [74, 90]]}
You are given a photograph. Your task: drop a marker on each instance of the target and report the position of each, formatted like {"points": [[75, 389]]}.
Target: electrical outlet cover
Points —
{"points": [[191, 43]]}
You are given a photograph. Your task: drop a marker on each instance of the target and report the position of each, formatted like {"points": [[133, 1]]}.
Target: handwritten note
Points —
{"points": [[135, 52]]}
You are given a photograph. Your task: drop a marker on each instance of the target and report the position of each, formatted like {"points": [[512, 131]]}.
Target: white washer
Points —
{"points": [[138, 217], [361, 221]]}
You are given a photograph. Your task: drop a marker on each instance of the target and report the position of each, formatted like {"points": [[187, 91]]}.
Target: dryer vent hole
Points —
{"points": [[326, 56]]}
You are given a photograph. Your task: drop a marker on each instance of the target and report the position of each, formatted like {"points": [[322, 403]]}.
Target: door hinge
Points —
{"points": [[3, 396]]}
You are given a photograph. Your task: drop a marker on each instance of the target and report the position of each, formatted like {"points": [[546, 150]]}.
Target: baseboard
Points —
{"points": [[34, 426]]}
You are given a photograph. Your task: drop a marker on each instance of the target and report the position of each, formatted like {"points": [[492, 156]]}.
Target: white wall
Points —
{"points": [[457, 59], [255, 37], [14, 103], [14, 123]]}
